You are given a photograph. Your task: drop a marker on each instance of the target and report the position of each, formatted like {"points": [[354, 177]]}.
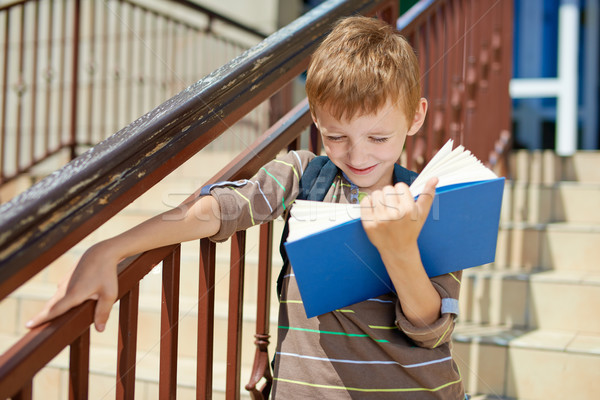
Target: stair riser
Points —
{"points": [[19, 310], [547, 167], [526, 248], [507, 371], [531, 304], [53, 382], [537, 204]]}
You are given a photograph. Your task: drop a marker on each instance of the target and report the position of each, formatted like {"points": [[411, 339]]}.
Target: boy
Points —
{"points": [[364, 95]]}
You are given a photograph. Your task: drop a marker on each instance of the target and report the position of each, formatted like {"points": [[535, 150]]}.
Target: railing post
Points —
{"points": [[79, 366], [261, 368], [26, 393], [128, 319], [169, 325], [75, 78], [234, 323], [206, 318]]}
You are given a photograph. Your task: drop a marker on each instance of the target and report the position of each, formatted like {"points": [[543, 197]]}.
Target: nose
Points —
{"points": [[357, 154]]}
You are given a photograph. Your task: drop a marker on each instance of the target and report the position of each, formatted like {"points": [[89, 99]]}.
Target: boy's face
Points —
{"points": [[366, 147]]}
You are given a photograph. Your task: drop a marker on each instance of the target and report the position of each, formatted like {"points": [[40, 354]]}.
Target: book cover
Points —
{"points": [[338, 266]]}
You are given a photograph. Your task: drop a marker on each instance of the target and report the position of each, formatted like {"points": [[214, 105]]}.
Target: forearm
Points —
{"points": [[192, 220], [420, 301]]}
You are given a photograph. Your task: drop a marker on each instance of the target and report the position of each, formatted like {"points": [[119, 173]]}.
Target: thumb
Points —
{"points": [[426, 197], [102, 311]]}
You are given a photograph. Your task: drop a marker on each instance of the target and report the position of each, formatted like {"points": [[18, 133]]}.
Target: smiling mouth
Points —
{"points": [[362, 171]]}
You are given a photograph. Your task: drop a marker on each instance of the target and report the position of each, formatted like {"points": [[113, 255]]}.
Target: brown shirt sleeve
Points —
{"points": [[448, 286], [263, 197]]}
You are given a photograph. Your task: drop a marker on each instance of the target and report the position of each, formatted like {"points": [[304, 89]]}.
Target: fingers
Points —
{"points": [[103, 308], [426, 197], [59, 304], [90, 280]]}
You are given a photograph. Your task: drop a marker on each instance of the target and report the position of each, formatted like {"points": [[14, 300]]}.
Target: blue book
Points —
{"points": [[338, 266]]}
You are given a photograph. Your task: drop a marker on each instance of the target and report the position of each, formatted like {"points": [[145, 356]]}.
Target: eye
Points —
{"points": [[379, 139], [334, 138]]}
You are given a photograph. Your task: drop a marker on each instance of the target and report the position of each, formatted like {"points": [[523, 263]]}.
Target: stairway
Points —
{"points": [[529, 326], [53, 380]]}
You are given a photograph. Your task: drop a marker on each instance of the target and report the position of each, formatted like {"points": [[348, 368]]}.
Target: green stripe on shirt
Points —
{"points": [[291, 328]]}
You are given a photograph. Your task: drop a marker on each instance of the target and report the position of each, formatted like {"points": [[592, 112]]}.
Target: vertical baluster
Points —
{"points": [[128, 72], [20, 92], [128, 320], [104, 74], [452, 125], [34, 82], [49, 76], [164, 55], [234, 323], [439, 124], [154, 65], [118, 69], [26, 392], [470, 78], [206, 319], [482, 101], [141, 78], [416, 157], [460, 104], [5, 92], [506, 53], [434, 61], [75, 78], [61, 87], [171, 59], [261, 367], [79, 366], [169, 325], [92, 71]]}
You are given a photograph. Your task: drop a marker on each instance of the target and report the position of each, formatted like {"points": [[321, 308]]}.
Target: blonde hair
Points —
{"points": [[362, 64]]}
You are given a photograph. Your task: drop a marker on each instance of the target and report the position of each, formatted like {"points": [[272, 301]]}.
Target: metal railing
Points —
{"points": [[76, 71], [43, 223], [465, 50]]}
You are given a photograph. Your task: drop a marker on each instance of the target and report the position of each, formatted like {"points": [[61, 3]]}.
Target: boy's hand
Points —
{"points": [[393, 219], [94, 278]]}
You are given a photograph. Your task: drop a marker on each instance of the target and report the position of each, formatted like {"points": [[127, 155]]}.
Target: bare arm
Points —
{"points": [[95, 276], [393, 221]]}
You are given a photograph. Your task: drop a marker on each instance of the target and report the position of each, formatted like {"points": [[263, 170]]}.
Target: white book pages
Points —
{"points": [[452, 167], [448, 165], [307, 217]]}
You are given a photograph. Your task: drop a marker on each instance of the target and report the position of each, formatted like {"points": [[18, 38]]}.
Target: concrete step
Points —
{"points": [[531, 300], [53, 380], [561, 246], [29, 299], [533, 365], [572, 202], [544, 166]]}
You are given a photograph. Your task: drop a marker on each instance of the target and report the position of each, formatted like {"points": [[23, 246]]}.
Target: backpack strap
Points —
{"points": [[317, 178], [402, 174], [314, 184]]}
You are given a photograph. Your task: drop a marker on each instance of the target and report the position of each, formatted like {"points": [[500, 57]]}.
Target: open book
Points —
{"points": [[336, 265]]}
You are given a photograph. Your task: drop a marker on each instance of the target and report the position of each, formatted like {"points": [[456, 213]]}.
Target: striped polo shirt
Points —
{"points": [[365, 351]]}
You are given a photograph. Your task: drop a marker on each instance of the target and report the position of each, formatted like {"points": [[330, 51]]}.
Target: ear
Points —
{"points": [[419, 118], [312, 115]]}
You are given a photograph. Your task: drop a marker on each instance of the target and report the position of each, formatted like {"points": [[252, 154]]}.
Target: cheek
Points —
{"points": [[335, 150]]}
